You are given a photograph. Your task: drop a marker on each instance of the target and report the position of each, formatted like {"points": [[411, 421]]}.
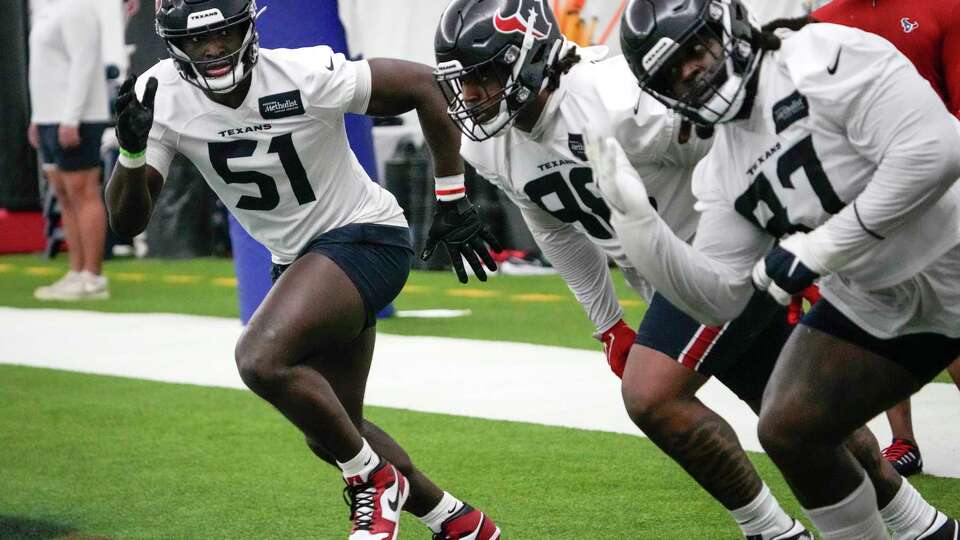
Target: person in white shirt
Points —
{"points": [[523, 98], [834, 162], [68, 94], [265, 128]]}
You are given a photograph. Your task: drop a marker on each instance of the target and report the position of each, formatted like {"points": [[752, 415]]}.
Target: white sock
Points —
{"points": [[362, 464], [762, 516], [853, 518], [908, 514], [447, 506]]}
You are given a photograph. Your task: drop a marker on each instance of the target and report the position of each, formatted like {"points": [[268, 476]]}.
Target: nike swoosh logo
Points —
{"points": [[395, 503], [452, 509], [367, 462], [476, 532], [330, 67], [833, 69]]}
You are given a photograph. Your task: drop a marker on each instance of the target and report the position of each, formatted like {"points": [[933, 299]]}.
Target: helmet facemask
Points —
{"points": [[716, 93], [488, 118], [239, 62]]}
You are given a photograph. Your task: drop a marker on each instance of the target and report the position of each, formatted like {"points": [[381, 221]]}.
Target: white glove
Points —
{"points": [[618, 182]]}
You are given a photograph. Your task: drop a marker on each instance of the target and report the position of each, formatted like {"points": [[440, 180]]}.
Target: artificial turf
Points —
{"points": [[85, 456]]}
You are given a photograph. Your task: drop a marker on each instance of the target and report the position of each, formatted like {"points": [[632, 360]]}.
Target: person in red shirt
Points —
{"points": [[927, 32]]}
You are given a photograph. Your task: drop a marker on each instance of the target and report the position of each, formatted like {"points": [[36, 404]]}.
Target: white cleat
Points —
{"points": [[69, 287], [95, 287]]}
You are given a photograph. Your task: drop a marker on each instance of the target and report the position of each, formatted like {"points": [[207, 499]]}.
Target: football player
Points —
{"points": [[927, 33], [834, 161], [523, 97], [266, 130]]}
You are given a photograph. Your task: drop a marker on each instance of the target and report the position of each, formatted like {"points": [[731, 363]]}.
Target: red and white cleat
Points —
{"points": [[468, 523], [905, 457], [375, 503]]}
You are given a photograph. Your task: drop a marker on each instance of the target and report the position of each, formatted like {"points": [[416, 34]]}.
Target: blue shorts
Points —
{"points": [[84, 156], [924, 355], [376, 258], [741, 354]]}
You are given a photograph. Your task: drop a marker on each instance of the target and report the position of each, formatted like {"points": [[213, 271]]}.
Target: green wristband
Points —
{"points": [[133, 155]]}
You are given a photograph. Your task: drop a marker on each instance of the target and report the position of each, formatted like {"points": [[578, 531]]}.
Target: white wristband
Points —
{"points": [[450, 188]]}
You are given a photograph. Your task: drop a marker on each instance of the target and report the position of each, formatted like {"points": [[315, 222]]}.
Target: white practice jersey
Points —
{"points": [[545, 172], [846, 140], [280, 162]]}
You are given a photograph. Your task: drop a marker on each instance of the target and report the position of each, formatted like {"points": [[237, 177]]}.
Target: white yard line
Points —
{"points": [[497, 380]]}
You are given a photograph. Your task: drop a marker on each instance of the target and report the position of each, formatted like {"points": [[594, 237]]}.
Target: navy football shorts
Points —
{"points": [[376, 258], [924, 355], [741, 354], [84, 156]]}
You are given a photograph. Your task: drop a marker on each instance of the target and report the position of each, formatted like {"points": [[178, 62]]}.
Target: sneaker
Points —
{"points": [[69, 287], [468, 523], [904, 455], [375, 502], [943, 527], [95, 287], [796, 532]]}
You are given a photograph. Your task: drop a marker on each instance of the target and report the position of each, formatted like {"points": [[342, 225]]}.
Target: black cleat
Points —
{"points": [[796, 532], [943, 527]]}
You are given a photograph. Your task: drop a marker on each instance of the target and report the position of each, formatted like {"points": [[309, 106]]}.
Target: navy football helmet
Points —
{"points": [[515, 41], [179, 20], [658, 36]]}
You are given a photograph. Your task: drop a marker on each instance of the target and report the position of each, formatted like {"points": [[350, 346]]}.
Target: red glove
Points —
{"points": [[795, 309], [617, 341]]}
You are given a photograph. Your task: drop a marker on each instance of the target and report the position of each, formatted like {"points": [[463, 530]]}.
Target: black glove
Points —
{"points": [[782, 274], [456, 225], [134, 117]]}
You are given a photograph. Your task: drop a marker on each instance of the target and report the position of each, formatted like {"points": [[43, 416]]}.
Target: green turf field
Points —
{"points": [[85, 456]]}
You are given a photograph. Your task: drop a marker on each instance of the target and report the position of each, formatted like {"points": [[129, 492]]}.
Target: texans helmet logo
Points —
{"points": [[908, 25], [518, 23]]}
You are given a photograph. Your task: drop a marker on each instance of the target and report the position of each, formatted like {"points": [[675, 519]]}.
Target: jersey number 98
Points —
{"points": [[596, 222]]}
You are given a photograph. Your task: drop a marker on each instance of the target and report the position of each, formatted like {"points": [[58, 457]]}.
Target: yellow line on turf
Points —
{"points": [[631, 303], [181, 278], [471, 293], [137, 277], [415, 288], [6, 267], [534, 297], [42, 270], [224, 282]]}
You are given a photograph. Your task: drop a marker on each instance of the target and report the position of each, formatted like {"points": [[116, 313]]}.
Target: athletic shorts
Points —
{"points": [[924, 355], [84, 156], [376, 258], [740, 354]]}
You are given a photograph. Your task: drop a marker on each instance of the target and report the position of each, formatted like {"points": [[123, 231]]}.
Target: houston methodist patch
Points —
{"points": [[789, 110], [575, 142], [281, 105]]}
